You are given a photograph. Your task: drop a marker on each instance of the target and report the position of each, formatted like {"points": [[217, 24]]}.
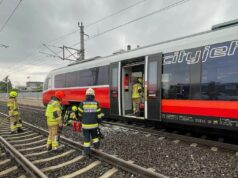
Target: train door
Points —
{"points": [[131, 71], [153, 73], [115, 96]]}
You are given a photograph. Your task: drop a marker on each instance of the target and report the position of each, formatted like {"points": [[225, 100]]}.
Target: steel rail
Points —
{"points": [[210, 143], [124, 165], [23, 161], [117, 162]]}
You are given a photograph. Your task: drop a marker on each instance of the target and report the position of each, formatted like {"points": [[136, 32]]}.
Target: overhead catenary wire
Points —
{"points": [[98, 21], [50, 64], [113, 14], [90, 24], [10, 16], [28, 58], [135, 20], [38, 61]]}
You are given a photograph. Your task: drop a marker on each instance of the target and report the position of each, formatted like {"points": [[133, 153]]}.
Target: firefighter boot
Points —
{"points": [[19, 125], [19, 129], [87, 153], [49, 147]]}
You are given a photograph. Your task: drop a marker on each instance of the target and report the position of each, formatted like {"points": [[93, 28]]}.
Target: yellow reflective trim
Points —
{"points": [[49, 142], [99, 109], [19, 125], [80, 109], [86, 144], [90, 106], [13, 127], [95, 140], [55, 144], [87, 126]]}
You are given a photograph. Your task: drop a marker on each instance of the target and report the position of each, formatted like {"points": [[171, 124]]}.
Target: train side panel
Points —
{"points": [[78, 95]]}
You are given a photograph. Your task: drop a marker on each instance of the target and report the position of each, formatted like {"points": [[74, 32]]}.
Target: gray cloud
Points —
{"points": [[39, 21]]}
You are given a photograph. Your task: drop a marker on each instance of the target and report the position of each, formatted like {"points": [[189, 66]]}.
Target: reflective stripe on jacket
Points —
{"points": [[53, 113], [90, 112], [13, 108], [135, 90]]}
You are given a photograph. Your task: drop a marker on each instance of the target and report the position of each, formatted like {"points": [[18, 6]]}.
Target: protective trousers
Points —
{"points": [[136, 102], [53, 137], [15, 123], [88, 134]]}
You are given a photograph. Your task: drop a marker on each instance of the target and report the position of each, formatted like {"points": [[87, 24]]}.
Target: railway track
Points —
{"points": [[8, 166], [28, 148], [164, 134]]}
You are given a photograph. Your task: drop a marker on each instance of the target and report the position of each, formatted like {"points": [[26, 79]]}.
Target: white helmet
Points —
{"points": [[90, 91]]}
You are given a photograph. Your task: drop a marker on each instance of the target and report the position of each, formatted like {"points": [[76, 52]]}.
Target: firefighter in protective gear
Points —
{"points": [[72, 119], [70, 116], [137, 95], [54, 120], [13, 112], [91, 116]]}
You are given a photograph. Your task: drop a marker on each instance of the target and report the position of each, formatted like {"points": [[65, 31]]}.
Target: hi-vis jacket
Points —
{"points": [[13, 109], [136, 90], [90, 112], [53, 113]]}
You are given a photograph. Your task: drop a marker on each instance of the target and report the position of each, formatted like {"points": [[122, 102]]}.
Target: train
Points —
{"points": [[191, 80]]}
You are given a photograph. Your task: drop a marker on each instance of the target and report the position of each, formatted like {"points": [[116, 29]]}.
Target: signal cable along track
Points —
{"points": [[67, 161]]}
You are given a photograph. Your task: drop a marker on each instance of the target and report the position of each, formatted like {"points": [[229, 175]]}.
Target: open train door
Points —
{"points": [[153, 73], [115, 97]]}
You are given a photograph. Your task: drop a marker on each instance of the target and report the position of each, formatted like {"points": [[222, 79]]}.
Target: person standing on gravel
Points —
{"points": [[13, 113], [54, 120], [91, 116]]}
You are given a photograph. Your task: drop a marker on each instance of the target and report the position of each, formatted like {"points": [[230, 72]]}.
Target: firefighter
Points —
{"points": [[137, 95], [72, 119], [91, 116], [13, 112], [70, 116], [54, 120]]}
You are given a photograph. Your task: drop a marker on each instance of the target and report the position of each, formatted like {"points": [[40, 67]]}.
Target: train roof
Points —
{"points": [[219, 33]]}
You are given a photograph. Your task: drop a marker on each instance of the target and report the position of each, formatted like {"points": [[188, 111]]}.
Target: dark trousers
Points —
{"points": [[88, 134]]}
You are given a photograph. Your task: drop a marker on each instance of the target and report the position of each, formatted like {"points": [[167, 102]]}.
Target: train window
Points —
{"points": [[60, 81], [115, 77], [176, 81], [47, 84], [86, 78], [153, 73], [102, 78], [220, 79], [72, 79]]}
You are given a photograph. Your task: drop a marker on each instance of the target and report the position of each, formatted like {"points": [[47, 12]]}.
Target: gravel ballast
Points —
{"points": [[166, 157]]}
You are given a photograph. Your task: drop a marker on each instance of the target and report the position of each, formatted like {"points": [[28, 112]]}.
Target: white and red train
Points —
{"points": [[191, 80]]}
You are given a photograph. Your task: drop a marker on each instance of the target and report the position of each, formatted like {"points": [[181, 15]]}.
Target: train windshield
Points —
{"points": [[47, 83]]}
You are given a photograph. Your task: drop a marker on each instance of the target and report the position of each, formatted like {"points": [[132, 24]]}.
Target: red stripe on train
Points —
{"points": [[78, 94], [226, 109]]}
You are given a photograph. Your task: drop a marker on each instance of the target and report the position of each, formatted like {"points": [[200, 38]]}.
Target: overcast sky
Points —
{"points": [[42, 21]]}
